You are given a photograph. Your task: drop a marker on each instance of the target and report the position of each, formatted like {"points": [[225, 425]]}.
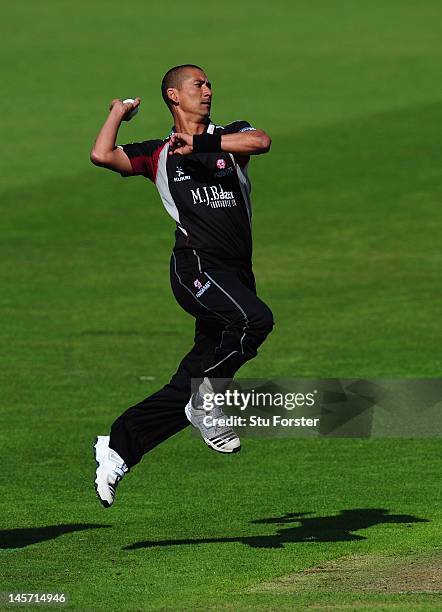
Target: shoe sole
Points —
{"points": [[218, 450], [103, 502], [207, 441]]}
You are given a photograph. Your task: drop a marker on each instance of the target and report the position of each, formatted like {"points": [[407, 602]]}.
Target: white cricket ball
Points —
{"points": [[134, 111]]}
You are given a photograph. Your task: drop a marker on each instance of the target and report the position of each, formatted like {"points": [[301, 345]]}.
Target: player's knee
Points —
{"points": [[262, 322], [267, 321]]}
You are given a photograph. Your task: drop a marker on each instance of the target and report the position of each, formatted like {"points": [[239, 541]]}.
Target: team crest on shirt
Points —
{"points": [[223, 170]]}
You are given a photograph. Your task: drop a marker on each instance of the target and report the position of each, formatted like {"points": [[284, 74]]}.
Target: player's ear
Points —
{"points": [[171, 93]]}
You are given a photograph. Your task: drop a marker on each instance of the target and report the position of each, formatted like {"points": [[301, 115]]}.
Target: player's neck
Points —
{"points": [[191, 125]]}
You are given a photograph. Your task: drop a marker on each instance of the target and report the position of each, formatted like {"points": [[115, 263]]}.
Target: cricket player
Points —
{"points": [[200, 171]]}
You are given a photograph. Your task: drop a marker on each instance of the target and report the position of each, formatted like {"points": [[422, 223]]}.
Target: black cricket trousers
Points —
{"points": [[231, 323]]}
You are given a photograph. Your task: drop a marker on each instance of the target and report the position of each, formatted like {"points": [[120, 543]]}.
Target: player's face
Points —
{"points": [[195, 93]]}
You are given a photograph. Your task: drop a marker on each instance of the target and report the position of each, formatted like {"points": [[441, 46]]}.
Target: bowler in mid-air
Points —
{"points": [[200, 171]]}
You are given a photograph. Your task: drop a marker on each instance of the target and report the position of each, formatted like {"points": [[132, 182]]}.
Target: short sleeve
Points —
{"points": [[238, 126], [234, 128], [143, 157]]}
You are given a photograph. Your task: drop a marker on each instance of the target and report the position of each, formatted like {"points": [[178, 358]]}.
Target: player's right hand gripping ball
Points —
{"points": [[133, 112]]}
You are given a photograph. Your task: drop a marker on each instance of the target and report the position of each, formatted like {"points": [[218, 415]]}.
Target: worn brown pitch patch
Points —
{"points": [[365, 574]]}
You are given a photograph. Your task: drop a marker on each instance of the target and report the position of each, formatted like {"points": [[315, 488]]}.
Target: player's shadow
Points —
{"points": [[19, 538], [338, 528]]}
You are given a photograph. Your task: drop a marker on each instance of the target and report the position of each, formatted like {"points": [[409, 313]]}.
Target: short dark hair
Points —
{"points": [[173, 78]]}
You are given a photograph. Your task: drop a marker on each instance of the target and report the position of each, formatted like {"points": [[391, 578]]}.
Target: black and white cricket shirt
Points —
{"points": [[207, 194]]}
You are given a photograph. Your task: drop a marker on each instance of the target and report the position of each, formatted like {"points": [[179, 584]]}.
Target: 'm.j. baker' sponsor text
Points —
{"points": [[213, 196]]}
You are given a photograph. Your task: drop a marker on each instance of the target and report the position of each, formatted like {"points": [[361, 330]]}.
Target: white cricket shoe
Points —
{"points": [[219, 438], [110, 470]]}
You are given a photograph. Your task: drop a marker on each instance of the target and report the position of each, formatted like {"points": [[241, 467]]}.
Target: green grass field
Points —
{"points": [[347, 254]]}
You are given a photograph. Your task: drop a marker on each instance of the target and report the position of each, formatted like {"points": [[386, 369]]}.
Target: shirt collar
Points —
{"points": [[210, 128]]}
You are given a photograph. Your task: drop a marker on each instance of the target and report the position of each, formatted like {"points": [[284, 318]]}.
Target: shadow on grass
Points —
{"points": [[338, 528], [19, 538]]}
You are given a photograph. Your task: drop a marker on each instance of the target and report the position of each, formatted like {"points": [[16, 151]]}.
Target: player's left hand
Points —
{"points": [[181, 143]]}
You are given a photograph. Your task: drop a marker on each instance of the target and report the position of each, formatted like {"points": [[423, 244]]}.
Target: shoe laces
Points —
{"points": [[119, 471]]}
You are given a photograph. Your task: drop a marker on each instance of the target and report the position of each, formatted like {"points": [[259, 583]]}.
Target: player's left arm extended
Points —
{"points": [[251, 142]]}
